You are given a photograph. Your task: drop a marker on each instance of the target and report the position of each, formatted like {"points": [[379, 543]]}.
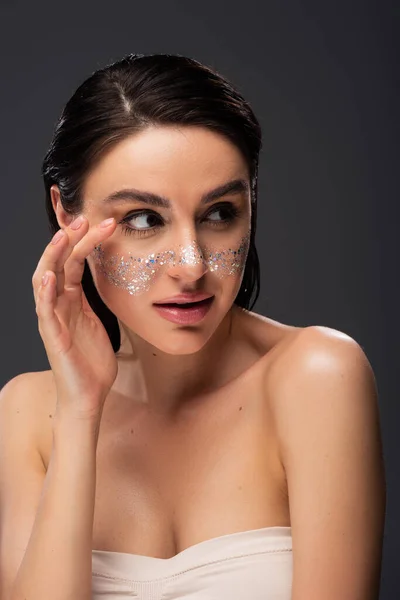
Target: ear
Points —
{"points": [[63, 218]]}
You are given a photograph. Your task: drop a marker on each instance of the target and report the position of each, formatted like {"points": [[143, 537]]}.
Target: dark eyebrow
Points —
{"points": [[235, 186]]}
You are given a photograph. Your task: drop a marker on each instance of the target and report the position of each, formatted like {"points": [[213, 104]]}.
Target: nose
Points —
{"points": [[188, 261]]}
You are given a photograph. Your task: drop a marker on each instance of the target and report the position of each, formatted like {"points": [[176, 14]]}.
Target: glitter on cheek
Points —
{"points": [[137, 274]]}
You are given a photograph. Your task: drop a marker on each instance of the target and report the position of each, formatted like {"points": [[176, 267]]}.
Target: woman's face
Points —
{"points": [[184, 242]]}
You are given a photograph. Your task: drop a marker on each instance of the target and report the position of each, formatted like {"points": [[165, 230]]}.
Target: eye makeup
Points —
{"points": [[229, 209], [136, 274]]}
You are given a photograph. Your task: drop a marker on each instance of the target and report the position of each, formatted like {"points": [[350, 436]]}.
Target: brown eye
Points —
{"points": [[228, 209], [139, 218]]}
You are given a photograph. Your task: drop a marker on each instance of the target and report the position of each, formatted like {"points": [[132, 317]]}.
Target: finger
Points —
{"points": [[49, 325], [75, 231], [49, 258], [57, 252], [76, 262]]}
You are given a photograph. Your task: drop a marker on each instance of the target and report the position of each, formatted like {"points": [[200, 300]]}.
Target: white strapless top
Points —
{"points": [[248, 565]]}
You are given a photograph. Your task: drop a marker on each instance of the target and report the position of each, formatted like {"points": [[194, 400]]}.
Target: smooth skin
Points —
{"points": [[285, 431]]}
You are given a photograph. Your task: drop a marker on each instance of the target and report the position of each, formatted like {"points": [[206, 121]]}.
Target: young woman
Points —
{"points": [[181, 446]]}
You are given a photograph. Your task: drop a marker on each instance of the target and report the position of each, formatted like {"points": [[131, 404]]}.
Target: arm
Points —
{"points": [[46, 520], [327, 419]]}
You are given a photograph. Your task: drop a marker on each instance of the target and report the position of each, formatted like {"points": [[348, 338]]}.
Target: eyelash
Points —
{"points": [[232, 210]]}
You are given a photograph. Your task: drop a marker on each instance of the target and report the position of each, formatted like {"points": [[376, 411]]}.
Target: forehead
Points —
{"points": [[172, 160]]}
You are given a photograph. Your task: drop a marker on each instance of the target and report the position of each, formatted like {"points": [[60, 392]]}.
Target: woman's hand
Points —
{"points": [[77, 345]]}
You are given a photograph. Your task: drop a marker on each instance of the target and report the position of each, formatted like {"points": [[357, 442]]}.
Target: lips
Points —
{"points": [[187, 313], [188, 298], [184, 304]]}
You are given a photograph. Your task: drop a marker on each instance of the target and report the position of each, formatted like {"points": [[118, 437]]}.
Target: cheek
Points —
{"points": [[229, 261], [137, 274]]}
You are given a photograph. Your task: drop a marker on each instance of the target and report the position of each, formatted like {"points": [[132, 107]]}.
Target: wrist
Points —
{"points": [[70, 424]]}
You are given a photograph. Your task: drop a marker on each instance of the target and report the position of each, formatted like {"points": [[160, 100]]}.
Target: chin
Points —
{"points": [[181, 340], [180, 349]]}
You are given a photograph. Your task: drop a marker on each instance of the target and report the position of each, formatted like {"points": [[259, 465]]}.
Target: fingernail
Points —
{"points": [[45, 279], [107, 222], [77, 222], [57, 237]]}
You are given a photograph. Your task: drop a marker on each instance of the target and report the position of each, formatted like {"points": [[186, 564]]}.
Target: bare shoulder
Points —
{"points": [[30, 397], [317, 350], [30, 393], [324, 400], [321, 371]]}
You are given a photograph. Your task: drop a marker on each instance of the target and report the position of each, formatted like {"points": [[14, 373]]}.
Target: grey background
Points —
{"points": [[321, 78]]}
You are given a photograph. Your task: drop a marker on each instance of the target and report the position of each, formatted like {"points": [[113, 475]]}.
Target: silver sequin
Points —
{"points": [[136, 274]]}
